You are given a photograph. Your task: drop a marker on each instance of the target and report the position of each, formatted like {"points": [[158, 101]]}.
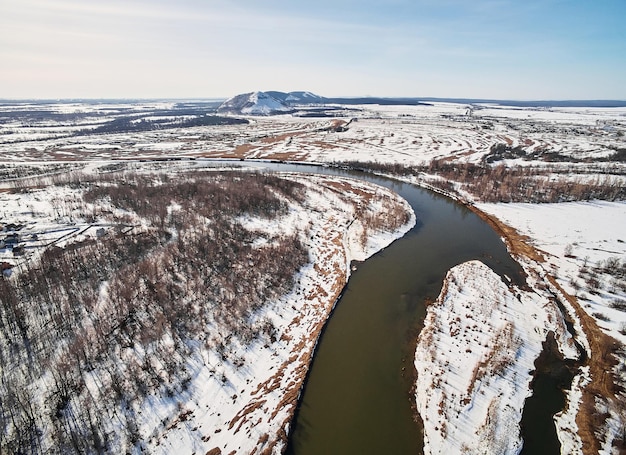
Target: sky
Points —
{"points": [[497, 49]]}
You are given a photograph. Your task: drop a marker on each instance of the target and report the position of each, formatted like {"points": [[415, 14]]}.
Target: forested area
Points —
{"points": [[89, 331], [490, 181]]}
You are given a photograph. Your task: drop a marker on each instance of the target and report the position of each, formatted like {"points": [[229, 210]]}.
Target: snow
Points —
{"points": [[594, 231], [565, 421], [388, 134], [263, 104], [251, 408], [256, 103], [245, 402], [574, 238], [474, 360]]}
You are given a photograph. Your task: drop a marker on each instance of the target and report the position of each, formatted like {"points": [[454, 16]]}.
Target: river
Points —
{"points": [[358, 395]]}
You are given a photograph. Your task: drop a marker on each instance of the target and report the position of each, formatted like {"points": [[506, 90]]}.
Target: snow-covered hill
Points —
{"points": [[298, 98], [267, 103]]}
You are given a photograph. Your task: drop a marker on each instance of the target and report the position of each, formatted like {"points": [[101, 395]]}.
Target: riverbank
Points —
{"points": [[236, 386], [541, 238], [572, 239], [253, 410]]}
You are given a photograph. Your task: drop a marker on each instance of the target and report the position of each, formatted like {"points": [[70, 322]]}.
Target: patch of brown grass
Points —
{"points": [[517, 243]]}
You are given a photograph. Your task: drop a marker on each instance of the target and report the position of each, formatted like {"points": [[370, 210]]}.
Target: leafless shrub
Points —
{"points": [[618, 304], [601, 317]]}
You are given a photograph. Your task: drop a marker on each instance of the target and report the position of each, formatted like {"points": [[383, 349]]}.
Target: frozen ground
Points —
{"points": [[474, 360], [576, 239], [393, 134], [575, 236]]}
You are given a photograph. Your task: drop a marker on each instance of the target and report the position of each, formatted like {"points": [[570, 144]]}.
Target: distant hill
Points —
{"points": [[298, 98], [254, 103], [275, 102], [268, 103], [532, 103]]}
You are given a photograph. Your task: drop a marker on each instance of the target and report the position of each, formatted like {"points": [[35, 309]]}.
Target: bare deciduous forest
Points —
{"points": [[500, 183], [121, 314]]}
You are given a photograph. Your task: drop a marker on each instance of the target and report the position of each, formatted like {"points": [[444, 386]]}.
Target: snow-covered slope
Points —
{"points": [[250, 412], [240, 392], [267, 103], [297, 98], [255, 103]]}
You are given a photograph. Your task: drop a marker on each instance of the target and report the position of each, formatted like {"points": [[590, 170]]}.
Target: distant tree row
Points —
{"points": [[499, 183], [138, 124]]}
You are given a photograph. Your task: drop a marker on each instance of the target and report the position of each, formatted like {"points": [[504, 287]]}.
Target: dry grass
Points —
{"points": [[330, 266], [497, 359], [517, 244]]}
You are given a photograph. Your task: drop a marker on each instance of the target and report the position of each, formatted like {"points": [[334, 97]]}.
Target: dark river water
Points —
{"points": [[358, 395]]}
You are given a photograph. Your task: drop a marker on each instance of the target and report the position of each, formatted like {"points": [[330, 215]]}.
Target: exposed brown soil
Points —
{"points": [[285, 156], [279, 137], [302, 354], [517, 243], [240, 151], [290, 398]]}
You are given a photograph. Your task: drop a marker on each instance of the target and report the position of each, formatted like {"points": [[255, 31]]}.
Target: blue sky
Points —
{"points": [[505, 49]]}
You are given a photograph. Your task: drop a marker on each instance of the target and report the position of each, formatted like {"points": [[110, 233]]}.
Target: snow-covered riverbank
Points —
{"points": [[474, 361], [234, 399], [252, 409], [583, 252]]}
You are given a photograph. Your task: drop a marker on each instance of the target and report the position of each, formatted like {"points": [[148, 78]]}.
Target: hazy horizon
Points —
{"points": [[487, 49], [619, 102]]}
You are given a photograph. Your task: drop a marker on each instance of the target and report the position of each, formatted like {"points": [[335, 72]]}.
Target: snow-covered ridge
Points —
{"points": [[256, 103], [474, 358]]}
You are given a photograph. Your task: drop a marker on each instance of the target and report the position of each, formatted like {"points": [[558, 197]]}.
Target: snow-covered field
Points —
{"points": [[574, 236], [393, 134], [582, 243]]}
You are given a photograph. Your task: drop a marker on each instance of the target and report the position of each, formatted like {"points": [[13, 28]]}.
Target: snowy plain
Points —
{"points": [[572, 236]]}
